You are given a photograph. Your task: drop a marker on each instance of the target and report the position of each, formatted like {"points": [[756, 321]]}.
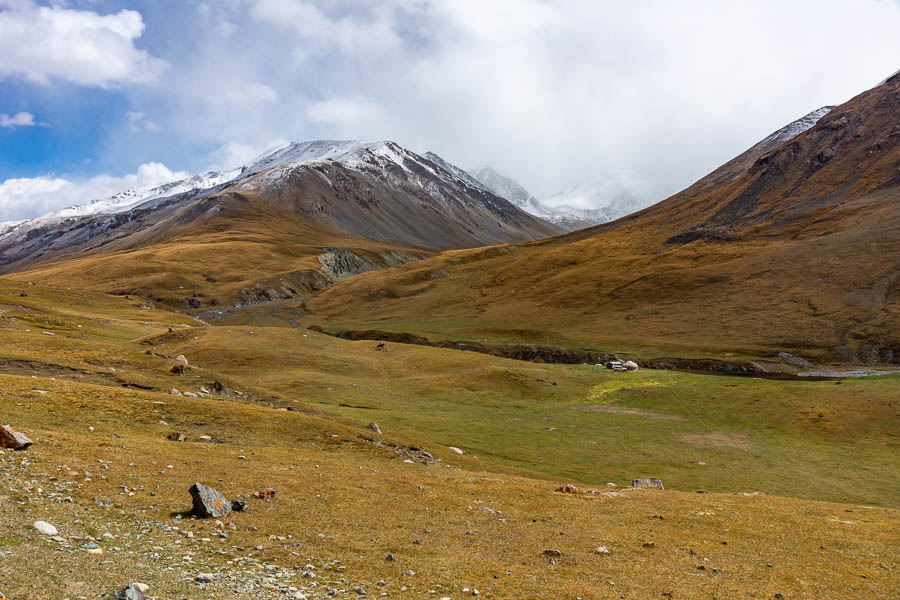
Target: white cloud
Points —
{"points": [[348, 113], [236, 154], [25, 198], [41, 43], [20, 119], [139, 122]]}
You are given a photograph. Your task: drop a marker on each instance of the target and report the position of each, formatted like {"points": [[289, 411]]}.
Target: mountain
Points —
{"points": [[792, 246], [286, 224], [578, 207]]}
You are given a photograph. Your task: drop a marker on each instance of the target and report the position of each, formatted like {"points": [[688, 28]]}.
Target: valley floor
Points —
{"points": [[803, 501]]}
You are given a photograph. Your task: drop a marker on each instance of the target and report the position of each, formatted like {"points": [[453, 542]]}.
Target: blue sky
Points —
{"points": [[97, 95]]}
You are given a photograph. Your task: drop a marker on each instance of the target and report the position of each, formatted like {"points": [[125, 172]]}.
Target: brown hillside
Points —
{"points": [[795, 249]]}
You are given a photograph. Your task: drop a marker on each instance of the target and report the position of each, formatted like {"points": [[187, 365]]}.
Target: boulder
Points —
{"points": [[374, 427], [178, 369], [630, 365], [651, 482], [132, 591], [180, 359], [45, 528], [238, 505], [208, 502], [10, 438]]}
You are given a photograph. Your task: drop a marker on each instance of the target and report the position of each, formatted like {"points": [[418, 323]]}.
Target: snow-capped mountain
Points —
{"points": [[578, 207], [133, 197], [376, 190]]}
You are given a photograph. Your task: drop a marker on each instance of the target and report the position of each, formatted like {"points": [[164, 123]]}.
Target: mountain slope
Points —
{"points": [[792, 246], [270, 231]]}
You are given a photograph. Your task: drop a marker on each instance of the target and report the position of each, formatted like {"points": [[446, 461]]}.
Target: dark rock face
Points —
{"points": [[209, 503], [651, 482], [10, 438]]}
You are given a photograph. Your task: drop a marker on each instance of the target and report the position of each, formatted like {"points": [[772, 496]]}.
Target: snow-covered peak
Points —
{"points": [[133, 197], [502, 185], [792, 130], [350, 153]]}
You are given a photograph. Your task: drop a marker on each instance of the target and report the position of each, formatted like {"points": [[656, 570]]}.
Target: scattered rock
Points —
{"points": [[374, 427], [567, 489], [266, 494], [238, 505], [45, 528], [132, 591], [208, 502], [10, 438], [651, 482]]}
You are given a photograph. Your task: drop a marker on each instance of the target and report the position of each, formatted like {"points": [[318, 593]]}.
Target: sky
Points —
{"points": [[100, 95]]}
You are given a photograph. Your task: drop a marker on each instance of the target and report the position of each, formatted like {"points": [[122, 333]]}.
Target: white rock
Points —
{"points": [[455, 449], [181, 360], [45, 528]]}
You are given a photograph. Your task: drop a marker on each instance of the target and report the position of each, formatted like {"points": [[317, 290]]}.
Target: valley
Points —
{"points": [[386, 374]]}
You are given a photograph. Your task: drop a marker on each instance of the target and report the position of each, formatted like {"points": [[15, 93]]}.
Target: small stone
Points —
{"points": [[651, 482], [455, 449], [10, 438], [238, 505], [266, 494], [180, 359], [389, 558], [409, 572], [204, 438], [602, 550], [45, 528], [174, 392], [374, 427], [554, 553], [649, 544]]}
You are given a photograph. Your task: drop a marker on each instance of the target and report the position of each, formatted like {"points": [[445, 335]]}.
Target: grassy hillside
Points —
{"points": [[793, 250], [97, 405]]}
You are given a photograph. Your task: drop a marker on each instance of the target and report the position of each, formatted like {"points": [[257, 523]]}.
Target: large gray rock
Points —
{"points": [[132, 591], [10, 438], [209, 503], [651, 482]]}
